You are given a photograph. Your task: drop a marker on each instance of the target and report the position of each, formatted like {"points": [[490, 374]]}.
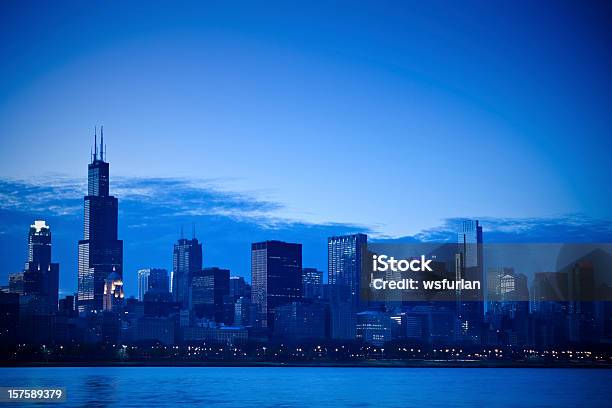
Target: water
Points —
{"points": [[318, 387]]}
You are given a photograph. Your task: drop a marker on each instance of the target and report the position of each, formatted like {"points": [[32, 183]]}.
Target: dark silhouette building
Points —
{"points": [[208, 289], [39, 281], [186, 261], [100, 252], [152, 280], [276, 277], [470, 305]]}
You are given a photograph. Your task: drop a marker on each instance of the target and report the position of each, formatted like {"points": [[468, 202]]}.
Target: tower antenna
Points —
{"points": [[193, 230], [102, 142], [182, 231], [95, 143]]}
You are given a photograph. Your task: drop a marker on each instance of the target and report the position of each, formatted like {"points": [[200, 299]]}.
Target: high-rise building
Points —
{"points": [[100, 252], [186, 260], [276, 277], [152, 279], [344, 257], [469, 265], [208, 288], [39, 280]]}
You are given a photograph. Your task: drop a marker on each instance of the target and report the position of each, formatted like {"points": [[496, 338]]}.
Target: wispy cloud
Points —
{"points": [[566, 228]]}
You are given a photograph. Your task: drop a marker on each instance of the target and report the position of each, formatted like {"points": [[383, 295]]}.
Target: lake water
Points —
{"points": [[318, 387]]}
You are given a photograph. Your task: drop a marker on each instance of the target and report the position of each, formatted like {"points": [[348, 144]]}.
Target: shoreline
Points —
{"points": [[365, 364]]}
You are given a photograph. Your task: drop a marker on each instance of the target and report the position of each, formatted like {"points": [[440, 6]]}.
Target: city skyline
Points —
{"points": [[571, 228], [247, 123]]}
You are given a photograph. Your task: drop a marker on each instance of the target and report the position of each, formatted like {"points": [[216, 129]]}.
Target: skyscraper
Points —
{"points": [[186, 260], [100, 252], [344, 255], [152, 279], [470, 306], [276, 277], [469, 239], [40, 277]]}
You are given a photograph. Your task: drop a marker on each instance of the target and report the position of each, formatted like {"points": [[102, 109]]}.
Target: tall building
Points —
{"points": [[344, 257], [152, 279], [208, 288], [100, 252], [276, 277], [470, 266], [186, 260], [39, 280]]}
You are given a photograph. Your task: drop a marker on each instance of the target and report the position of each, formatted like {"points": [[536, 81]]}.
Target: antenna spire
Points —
{"points": [[102, 142], [193, 231], [95, 143], [182, 231]]}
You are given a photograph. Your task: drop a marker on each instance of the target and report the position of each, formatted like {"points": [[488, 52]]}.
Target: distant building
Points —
{"points": [[152, 329], [16, 283], [344, 261], [312, 281], [9, 318], [373, 327], [244, 312], [312, 276], [276, 277], [238, 287], [152, 279], [300, 321], [229, 335], [343, 318], [39, 281], [470, 306], [208, 288], [186, 261], [100, 252], [67, 306]]}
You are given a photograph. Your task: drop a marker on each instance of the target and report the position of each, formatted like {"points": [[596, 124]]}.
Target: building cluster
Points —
{"points": [[285, 302]]}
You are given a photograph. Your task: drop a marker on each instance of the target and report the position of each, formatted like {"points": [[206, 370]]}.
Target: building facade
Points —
{"points": [[276, 277], [100, 250], [186, 261]]}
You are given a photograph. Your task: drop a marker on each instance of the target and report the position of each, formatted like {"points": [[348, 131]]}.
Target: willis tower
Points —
{"points": [[100, 252]]}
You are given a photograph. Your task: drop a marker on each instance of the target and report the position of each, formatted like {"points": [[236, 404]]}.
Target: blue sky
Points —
{"points": [[390, 117]]}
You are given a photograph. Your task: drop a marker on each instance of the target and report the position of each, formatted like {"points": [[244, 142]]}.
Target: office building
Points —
{"points": [[344, 261], [100, 251], [208, 287], [152, 279], [186, 261], [276, 277]]}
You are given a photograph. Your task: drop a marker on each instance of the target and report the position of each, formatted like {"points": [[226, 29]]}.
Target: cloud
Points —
{"points": [[568, 228], [59, 195]]}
